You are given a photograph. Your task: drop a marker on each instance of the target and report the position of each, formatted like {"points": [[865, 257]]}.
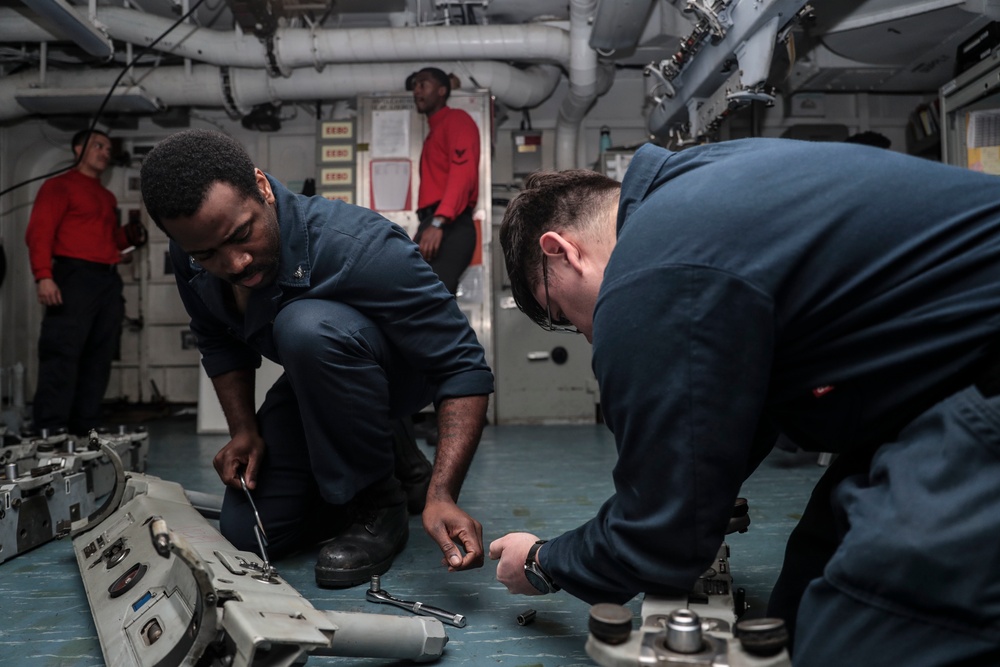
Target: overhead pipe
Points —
{"points": [[305, 50], [240, 89], [316, 47], [582, 82], [309, 50]]}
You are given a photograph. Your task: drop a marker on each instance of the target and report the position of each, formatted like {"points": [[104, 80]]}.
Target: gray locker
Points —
{"points": [[541, 376]]}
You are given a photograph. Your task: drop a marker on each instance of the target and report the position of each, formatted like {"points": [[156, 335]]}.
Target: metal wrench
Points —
{"points": [[258, 532], [376, 594]]}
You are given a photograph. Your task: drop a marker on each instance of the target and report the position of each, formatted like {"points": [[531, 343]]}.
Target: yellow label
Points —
{"points": [[342, 195], [337, 176], [343, 129], [344, 153]]}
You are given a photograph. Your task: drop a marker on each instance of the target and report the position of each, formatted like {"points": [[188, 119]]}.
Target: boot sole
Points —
{"points": [[349, 578]]}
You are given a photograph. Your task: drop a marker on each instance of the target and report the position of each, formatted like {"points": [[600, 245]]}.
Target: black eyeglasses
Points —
{"points": [[561, 325]]}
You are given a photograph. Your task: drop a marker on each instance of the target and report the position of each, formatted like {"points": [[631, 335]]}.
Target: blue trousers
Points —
{"points": [[326, 424], [914, 577]]}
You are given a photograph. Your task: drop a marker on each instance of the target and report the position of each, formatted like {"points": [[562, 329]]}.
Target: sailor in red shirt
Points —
{"points": [[449, 179], [74, 244]]}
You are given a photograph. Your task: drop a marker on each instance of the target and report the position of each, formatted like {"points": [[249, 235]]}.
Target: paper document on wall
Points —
{"points": [[390, 133], [390, 185]]}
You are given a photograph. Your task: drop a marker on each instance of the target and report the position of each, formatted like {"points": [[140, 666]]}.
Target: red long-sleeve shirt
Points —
{"points": [[449, 163], [73, 216]]}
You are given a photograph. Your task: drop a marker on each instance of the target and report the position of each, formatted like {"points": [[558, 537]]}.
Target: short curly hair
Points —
{"points": [[178, 172], [550, 201]]}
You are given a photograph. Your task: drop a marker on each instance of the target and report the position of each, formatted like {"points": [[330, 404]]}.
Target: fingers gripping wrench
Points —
{"points": [[258, 532]]}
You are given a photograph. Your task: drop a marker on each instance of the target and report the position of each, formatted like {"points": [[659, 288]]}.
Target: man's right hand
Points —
{"points": [[241, 454], [430, 242], [48, 293]]}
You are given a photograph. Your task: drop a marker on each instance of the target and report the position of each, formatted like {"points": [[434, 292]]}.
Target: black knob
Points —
{"points": [[559, 355], [610, 623], [762, 636]]}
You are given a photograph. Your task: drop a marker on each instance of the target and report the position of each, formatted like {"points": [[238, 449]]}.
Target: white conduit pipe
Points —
{"points": [[303, 47], [582, 82], [513, 87], [202, 86]]}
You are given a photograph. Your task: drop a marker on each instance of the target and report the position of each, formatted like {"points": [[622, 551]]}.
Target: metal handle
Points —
{"points": [[458, 620]]}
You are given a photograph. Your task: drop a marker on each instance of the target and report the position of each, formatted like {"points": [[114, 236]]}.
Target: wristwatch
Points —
{"points": [[534, 573], [437, 222]]}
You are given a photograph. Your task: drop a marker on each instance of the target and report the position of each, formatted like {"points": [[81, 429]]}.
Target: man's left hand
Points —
{"points": [[512, 551], [454, 531], [430, 242]]}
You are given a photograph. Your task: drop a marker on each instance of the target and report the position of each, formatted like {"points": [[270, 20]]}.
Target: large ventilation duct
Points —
{"points": [[304, 47], [315, 47], [239, 89], [312, 61]]}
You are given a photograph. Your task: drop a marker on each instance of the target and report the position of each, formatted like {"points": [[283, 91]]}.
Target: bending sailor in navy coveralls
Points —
{"points": [[845, 295], [365, 332]]}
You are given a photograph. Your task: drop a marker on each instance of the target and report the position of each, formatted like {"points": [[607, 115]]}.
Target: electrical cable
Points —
{"points": [[107, 97]]}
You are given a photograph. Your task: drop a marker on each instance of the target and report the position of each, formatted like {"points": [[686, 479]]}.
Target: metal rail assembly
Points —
{"points": [[51, 483], [166, 588]]}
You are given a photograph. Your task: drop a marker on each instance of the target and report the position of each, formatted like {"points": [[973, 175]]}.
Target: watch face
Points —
{"points": [[536, 580]]}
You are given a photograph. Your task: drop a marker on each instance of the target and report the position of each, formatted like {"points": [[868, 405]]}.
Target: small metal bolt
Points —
{"points": [[684, 631], [526, 617]]}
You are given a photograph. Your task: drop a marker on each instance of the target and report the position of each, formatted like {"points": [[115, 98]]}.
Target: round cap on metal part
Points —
{"points": [[684, 631], [610, 623], [762, 636]]}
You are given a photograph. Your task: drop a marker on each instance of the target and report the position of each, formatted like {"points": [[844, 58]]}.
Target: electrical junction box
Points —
{"points": [[527, 155]]}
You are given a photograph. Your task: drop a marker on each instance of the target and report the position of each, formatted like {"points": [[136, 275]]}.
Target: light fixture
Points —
{"points": [[129, 99], [75, 27]]}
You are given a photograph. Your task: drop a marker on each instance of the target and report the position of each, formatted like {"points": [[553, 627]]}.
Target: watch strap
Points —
{"points": [[534, 572]]}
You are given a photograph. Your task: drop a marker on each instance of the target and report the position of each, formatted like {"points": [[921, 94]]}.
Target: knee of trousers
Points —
{"points": [[237, 520], [311, 330]]}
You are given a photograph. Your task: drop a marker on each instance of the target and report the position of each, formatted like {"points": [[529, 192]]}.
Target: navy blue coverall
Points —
{"points": [[364, 331], [847, 296]]}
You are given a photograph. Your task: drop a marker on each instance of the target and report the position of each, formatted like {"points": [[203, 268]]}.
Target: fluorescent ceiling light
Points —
{"points": [[72, 100], [74, 26]]}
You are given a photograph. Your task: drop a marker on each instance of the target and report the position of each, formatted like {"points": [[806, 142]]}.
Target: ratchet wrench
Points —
{"points": [[258, 532], [377, 594]]}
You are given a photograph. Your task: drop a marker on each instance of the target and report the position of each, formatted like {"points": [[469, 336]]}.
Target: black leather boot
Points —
{"points": [[378, 532], [413, 470]]}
